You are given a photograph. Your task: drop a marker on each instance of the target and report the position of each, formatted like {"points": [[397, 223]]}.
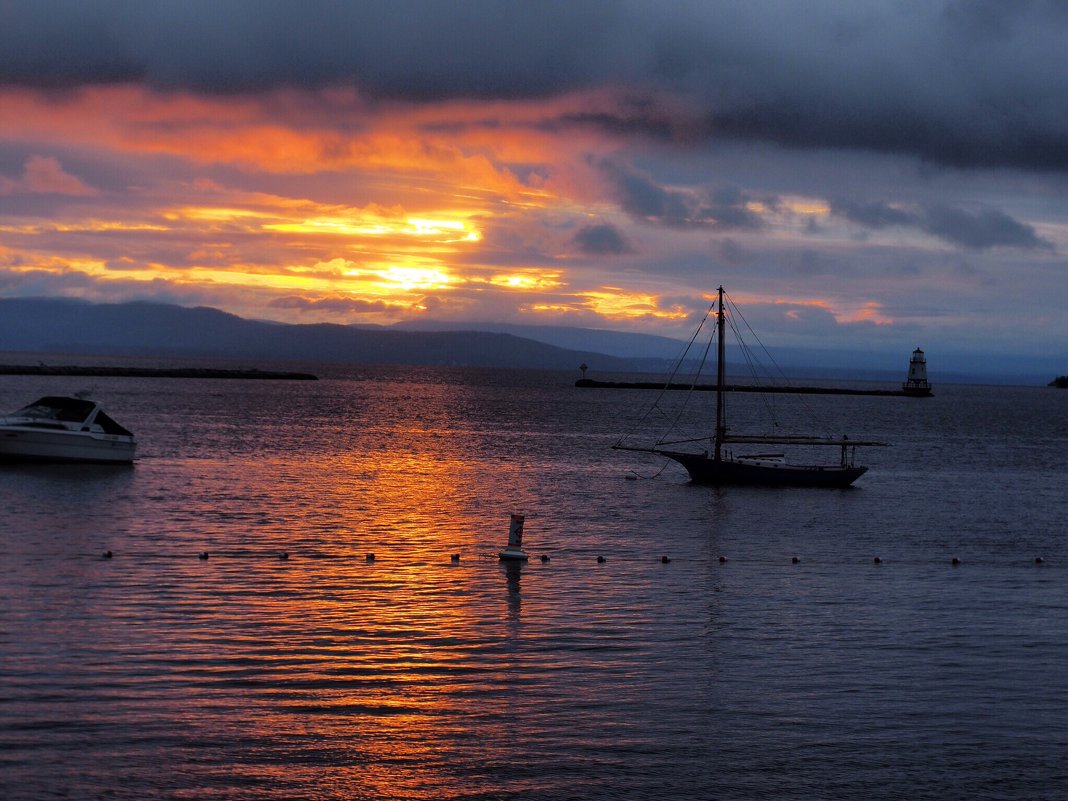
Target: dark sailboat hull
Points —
{"points": [[760, 469], [710, 472]]}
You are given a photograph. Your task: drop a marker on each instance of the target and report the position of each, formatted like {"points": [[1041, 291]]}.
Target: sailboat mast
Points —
{"points": [[721, 378]]}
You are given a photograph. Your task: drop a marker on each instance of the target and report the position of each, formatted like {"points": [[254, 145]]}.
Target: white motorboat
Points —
{"points": [[64, 429]]}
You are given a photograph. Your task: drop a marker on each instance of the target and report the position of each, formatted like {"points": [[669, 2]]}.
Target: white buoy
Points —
{"points": [[514, 549]]}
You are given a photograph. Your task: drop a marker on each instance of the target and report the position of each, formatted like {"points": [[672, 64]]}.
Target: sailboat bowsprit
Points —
{"points": [[722, 466]]}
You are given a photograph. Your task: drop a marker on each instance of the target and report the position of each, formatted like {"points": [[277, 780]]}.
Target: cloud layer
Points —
{"points": [[967, 83], [883, 170]]}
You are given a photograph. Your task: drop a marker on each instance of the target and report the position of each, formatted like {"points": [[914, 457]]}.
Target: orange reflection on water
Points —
{"points": [[392, 652]]}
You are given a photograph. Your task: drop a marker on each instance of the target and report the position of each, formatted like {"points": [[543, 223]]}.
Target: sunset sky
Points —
{"points": [[857, 174]]}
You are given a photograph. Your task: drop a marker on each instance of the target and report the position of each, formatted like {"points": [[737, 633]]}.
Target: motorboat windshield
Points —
{"points": [[70, 412]]}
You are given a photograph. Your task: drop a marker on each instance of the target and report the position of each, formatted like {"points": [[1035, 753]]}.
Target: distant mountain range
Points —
{"points": [[612, 343], [157, 329], [146, 329]]}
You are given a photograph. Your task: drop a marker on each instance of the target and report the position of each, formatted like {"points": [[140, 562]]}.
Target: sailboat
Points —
{"points": [[720, 465]]}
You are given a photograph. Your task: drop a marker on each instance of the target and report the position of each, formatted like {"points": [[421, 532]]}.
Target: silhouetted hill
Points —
{"points": [[69, 326], [159, 329], [626, 345]]}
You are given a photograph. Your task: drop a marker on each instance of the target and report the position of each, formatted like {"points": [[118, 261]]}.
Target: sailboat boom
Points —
{"points": [[757, 439]]}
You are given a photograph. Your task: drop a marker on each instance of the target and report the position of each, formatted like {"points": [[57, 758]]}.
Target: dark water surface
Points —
{"points": [[159, 675]]}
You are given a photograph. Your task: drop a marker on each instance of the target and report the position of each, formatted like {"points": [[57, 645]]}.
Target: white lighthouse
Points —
{"points": [[916, 383]]}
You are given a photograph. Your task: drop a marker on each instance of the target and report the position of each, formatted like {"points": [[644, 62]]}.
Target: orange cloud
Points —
{"points": [[471, 145], [843, 312], [374, 208]]}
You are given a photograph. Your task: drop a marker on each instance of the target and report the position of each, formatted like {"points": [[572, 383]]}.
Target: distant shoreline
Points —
{"points": [[153, 372], [587, 383]]}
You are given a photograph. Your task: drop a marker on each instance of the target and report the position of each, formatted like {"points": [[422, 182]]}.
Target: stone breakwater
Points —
{"points": [[153, 372], [588, 383]]}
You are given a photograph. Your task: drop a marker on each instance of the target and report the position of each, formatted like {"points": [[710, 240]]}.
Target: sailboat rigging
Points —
{"points": [[722, 466]]}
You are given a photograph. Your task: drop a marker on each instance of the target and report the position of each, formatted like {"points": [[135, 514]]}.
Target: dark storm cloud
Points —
{"points": [[416, 49], [959, 82], [728, 206], [873, 215], [979, 228], [601, 240], [641, 196]]}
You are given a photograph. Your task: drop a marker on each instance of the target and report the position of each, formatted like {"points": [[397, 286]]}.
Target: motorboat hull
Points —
{"points": [[18, 444], [710, 472]]}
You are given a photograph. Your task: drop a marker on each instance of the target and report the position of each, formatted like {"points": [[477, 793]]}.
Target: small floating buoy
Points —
{"points": [[203, 555], [283, 555], [1038, 559], [722, 560], [664, 560], [877, 560], [545, 557], [370, 557], [795, 560], [601, 560], [107, 554], [514, 549], [954, 561]]}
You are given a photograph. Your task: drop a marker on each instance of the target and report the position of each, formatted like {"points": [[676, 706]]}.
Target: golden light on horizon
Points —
{"points": [[562, 308], [619, 304], [208, 214], [269, 201], [528, 280], [422, 278], [329, 225], [457, 230], [444, 231], [88, 226], [612, 304], [104, 226], [392, 284]]}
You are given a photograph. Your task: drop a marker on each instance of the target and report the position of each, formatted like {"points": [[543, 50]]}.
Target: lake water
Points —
{"points": [[159, 675]]}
